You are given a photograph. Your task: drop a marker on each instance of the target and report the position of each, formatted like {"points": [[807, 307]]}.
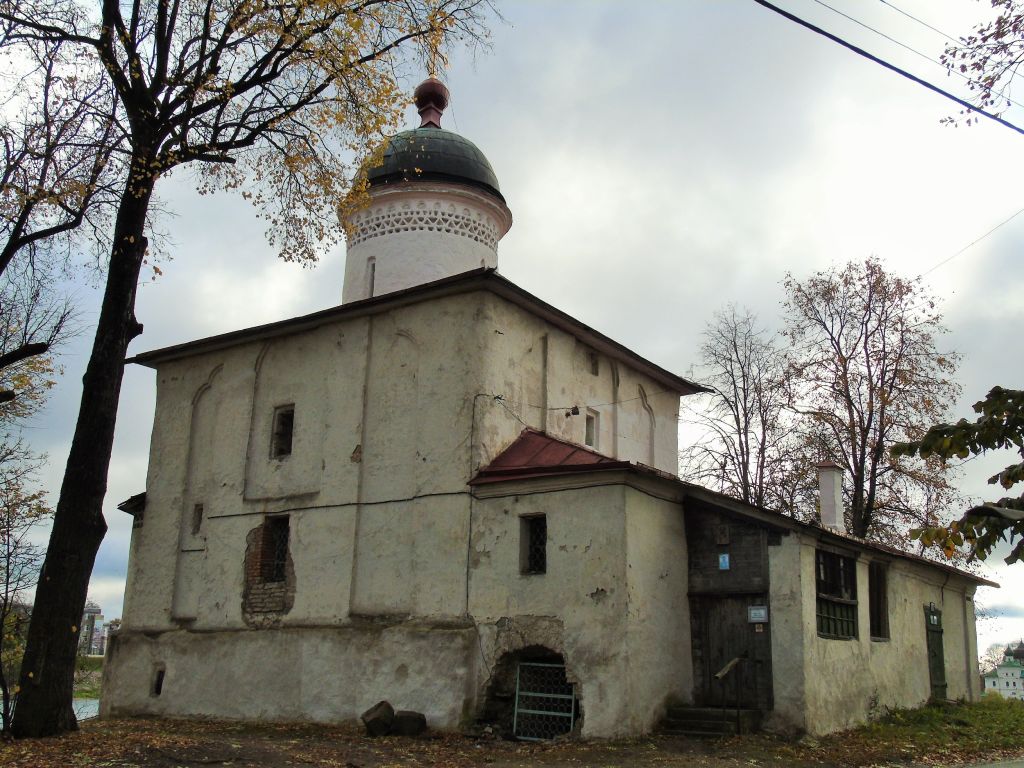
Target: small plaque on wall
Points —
{"points": [[722, 535], [757, 614], [723, 561]]}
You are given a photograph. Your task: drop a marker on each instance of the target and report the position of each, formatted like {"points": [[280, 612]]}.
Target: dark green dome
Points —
{"points": [[434, 154]]}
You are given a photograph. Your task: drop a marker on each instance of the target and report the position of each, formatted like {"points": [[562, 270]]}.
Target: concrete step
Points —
{"points": [[705, 721]]}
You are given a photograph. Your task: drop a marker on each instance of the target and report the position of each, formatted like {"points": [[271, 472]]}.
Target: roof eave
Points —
{"points": [[479, 279]]}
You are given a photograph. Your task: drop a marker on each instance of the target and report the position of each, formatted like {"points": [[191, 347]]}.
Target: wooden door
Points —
{"points": [[721, 633], [936, 658]]}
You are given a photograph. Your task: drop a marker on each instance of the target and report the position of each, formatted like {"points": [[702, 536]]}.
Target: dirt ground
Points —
{"points": [[192, 744]]}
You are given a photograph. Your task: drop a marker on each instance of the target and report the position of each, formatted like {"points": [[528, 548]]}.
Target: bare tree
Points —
{"points": [[20, 511], [864, 373], [742, 450], [57, 138], [268, 97]]}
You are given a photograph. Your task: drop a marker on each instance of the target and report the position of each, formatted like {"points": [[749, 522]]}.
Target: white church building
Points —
{"points": [[451, 495], [1007, 677]]}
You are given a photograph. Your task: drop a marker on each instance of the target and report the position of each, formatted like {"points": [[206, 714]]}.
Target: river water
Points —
{"points": [[86, 708]]}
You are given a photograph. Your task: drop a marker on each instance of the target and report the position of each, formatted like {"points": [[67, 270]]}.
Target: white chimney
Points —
{"points": [[830, 491]]}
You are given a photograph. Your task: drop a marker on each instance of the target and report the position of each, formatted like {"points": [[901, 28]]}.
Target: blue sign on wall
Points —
{"points": [[723, 561]]}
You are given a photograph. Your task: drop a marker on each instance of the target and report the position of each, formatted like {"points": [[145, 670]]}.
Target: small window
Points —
{"points": [[837, 595], [533, 547], [878, 601], [284, 425], [594, 362], [273, 564], [158, 681], [371, 275], [591, 430], [197, 518]]}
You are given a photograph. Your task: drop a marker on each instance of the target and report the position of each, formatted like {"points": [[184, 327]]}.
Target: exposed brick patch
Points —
{"points": [[265, 601]]}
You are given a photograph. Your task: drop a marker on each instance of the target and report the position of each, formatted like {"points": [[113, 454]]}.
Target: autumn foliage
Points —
{"points": [[999, 426]]}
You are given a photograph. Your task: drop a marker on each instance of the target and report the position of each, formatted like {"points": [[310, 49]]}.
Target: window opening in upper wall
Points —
{"points": [[274, 560], [878, 600], [158, 681], [284, 426], [533, 544], [595, 365], [591, 429], [371, 273], [837, 595], [197, 518]]}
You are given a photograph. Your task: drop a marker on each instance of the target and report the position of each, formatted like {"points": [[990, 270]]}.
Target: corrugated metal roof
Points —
{"points": [[534, 453]]}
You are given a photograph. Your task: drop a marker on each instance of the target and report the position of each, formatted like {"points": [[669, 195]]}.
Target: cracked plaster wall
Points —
{"points": [[847, 681], [385, 410], [612, 600], [542, 371]]}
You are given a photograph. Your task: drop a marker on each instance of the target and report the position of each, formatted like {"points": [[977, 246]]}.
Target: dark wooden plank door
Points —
{"points": [[721, 632], [936, 657]]}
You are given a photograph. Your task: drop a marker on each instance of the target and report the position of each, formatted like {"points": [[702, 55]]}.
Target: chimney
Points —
{"points": [[830, 491]]}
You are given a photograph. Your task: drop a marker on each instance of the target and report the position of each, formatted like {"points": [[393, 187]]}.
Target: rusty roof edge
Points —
{"points": [[485, 476]]}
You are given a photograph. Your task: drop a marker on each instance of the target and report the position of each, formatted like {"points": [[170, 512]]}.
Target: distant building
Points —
{"points": [[1007, 679], [92, 630]]}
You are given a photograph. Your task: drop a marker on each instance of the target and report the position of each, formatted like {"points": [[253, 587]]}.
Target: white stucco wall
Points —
{"points": [[541, 372], [414, 233], [313, 673], [786, 616], [581, 597], [845, 682], [387, 417], [612, 600], [658, 611]]}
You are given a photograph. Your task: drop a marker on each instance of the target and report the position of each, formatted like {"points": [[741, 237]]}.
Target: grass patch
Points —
{"points": [[942, 732], [88, 676]]}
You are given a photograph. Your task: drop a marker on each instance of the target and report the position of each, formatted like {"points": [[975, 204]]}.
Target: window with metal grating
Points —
{"points": [[533, 535], [275, 549], [545, 702], [837, 595]]}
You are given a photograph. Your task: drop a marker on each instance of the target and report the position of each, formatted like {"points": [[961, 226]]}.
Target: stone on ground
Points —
{"points": [[378, 719]]}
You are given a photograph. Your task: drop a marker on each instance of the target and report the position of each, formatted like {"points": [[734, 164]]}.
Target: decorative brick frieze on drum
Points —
{"points": [[424, 216]]}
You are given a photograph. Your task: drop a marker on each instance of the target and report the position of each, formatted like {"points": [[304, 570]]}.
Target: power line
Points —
{"points": [[892, 67], [919, 21], [972, 243], [903, 45]]}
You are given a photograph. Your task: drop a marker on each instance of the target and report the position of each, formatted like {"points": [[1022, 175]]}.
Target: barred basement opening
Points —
{"points": [[501, 705], [545, 702]]}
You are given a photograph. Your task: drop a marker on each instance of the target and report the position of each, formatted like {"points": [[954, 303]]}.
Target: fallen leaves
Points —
{"points": [[942, 735]]}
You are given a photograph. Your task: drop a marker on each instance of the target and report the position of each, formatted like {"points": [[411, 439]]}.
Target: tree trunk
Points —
{"points": [[47, 674]]}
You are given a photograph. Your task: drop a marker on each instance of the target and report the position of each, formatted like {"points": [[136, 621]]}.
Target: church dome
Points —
{"points": [[430, 153], [434, 154], [435, 208]]}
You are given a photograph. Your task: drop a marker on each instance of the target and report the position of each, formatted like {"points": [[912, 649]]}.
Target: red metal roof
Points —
{"points": [[534, 453]]}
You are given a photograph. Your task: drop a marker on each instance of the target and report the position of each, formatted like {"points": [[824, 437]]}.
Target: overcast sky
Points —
{"points": [[660, 159]]}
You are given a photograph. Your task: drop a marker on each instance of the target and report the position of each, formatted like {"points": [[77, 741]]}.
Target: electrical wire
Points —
{"points": [[972, 243], [891, 67], [901, 44], [919, 21]]}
